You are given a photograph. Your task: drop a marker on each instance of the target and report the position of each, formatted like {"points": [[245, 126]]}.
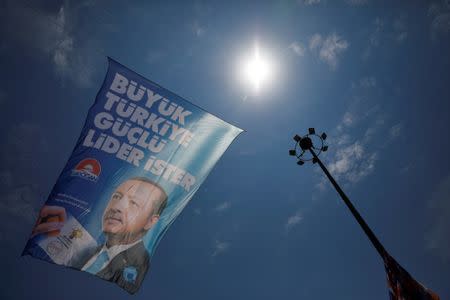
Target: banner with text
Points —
{"points": [[142, 154]]}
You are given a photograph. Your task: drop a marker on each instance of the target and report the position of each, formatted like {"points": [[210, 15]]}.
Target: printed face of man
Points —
{"points": [[131, 208]]}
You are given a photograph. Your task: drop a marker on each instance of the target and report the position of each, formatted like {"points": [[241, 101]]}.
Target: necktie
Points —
{"points": [[98, 263]]}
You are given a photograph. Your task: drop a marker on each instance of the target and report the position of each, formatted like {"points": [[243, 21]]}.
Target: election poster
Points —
{"points": [[142, 154]]}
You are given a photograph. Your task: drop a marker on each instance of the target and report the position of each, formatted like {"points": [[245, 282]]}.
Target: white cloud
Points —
{"points": [[346, 158], [353, 158], [63, 48], [52, 35], [348, 119], [374, 37], [343, 139], [378, 25], [401, 36], [220, 247], [386, 32], [223, 206], [354, 141], [293, 220], [297, 48], [331, 48], [315, 41], [197, 29], [437, 237], [440, 14], [400, 29], [352, 163], [441, 24], [328, 49]]}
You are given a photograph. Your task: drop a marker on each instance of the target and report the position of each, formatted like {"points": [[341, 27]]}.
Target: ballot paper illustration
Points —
{"points": [[68, 246]]}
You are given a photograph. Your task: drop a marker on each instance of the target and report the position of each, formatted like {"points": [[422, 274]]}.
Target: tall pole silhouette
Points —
{"points": [[375, 242], [402, 286]]}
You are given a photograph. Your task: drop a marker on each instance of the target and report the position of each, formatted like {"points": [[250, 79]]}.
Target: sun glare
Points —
{"points": [[256, 70]]}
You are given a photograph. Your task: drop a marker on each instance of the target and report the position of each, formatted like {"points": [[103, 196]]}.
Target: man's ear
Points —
{"points": [[151, 221]]}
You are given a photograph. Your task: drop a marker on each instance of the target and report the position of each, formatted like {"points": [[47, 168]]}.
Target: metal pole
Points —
{"points": [[376, 243]]}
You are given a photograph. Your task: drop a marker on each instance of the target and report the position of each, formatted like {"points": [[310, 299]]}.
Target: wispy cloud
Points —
{"points": [[52, 35], [328, 48], [355, 151], [395, 130], [220, 247], [386, 32], [353, 162], [297, 48], [315, 41], [437, 237], [222, 206], [374, 37], [440, 15], [197, 29], [400, 29], [293, 221], [348, 119]]}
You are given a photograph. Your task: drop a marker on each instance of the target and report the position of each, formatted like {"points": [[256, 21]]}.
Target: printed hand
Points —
{"points": [[51, 220]]}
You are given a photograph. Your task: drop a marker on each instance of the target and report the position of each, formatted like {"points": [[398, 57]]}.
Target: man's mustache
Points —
{"points": [[113, 214]]}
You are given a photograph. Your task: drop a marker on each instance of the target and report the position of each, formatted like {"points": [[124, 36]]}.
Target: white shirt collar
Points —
{"points": [[111, 251], [114, 250]]}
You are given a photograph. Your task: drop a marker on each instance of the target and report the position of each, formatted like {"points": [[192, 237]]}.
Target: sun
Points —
{"points": [[256, 70]]}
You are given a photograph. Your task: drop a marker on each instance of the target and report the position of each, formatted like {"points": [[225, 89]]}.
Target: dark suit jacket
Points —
{"points": [[127, 269]]}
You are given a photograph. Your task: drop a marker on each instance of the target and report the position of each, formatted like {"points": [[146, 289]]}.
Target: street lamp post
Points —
{"points": [[402, 286]]}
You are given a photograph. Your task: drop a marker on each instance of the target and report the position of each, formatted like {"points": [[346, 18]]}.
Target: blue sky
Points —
{"points": [[372, 74]]}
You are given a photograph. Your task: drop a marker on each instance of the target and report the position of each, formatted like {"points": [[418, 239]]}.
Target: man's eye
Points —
{"points": [[116, 196], [134, 203]]}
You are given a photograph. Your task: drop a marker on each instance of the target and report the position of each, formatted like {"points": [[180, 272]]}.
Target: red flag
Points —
{"points": [[402, 286]]}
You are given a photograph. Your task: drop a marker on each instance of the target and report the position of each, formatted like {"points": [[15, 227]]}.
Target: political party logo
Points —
{"points": [[88, 169], [76, 234]]}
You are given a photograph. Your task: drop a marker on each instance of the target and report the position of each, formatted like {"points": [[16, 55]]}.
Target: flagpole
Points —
{"points": [[372, 237]]}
